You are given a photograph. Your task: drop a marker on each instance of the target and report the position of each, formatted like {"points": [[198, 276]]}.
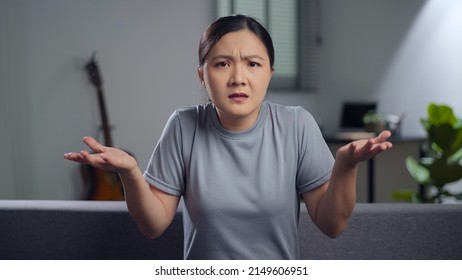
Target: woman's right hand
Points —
{"points": [[103, 157]]}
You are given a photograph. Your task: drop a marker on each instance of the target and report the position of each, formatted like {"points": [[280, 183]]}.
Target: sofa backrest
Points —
{"points": [[80, 230], [105, 230], [390, 232]]}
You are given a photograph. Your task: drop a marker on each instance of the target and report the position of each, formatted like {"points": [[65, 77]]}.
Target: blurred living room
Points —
{"points": [[400, 55], [396, 56]]}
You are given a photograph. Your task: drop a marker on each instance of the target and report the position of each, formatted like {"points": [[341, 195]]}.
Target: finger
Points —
{"points": [[383, 136], [378, 148], [371, 148], [93, 144], [111, 162], [73, 156], [386, 145], [352, 147], [78, 157], [93, 159]]}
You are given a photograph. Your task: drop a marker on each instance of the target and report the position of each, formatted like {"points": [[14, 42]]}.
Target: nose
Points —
{"points": [[238, 76]]}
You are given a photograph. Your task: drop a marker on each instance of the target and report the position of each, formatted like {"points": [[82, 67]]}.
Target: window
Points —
{"points": [[293, 25]]}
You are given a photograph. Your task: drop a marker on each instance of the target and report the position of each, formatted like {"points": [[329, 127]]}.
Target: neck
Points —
{"points": [[239, 123]]}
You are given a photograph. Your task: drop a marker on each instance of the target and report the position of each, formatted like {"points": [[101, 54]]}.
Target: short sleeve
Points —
{"points": [[315, 160], [165, 169]]}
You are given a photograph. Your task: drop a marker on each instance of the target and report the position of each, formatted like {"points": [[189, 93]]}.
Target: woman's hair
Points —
{"points": [[232, 23]]}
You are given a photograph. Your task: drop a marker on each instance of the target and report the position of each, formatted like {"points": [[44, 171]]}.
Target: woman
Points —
{"points": [[240, 163]]}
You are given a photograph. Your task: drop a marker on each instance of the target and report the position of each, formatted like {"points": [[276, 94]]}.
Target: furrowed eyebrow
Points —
{"points": [[252, 57], [229, 57]]}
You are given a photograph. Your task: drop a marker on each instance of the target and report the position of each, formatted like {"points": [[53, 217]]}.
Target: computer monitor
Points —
{"points": [[353, 112]]}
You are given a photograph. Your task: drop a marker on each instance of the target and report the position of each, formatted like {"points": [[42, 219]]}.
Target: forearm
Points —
{"points": [[337, 203], [331, 205], [148, 210], [152, 210]]}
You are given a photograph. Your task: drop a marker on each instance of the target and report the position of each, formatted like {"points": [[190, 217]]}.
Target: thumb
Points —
{"points": [[94, 145]]}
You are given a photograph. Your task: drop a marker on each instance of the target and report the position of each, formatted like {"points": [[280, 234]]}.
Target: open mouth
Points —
{"points": [[238, 96]]}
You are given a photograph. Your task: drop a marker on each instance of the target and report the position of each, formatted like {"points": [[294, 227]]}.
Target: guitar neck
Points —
{"points": [[104, 117]]}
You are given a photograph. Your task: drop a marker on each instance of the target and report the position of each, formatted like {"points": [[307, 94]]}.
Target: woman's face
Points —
{"points": [[236, 74]]}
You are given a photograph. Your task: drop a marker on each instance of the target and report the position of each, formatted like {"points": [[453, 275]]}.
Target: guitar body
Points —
{"points": [[100, 184]]}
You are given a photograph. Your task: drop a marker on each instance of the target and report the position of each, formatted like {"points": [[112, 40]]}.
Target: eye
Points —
{"points": [[221, 64], [254, 64]]}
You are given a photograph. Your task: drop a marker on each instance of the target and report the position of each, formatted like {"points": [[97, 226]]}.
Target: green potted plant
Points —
{"points": [[442, 164], [374, 121]]}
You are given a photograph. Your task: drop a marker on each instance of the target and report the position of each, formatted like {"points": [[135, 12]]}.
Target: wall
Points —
{"points": [[147, 53], [391, 51], [402, 54]]}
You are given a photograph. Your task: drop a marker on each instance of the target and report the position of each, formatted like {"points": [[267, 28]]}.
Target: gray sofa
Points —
{"points": [[104, 230]]}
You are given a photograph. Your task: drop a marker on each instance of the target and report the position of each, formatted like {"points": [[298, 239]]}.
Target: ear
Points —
{"points": [[200, 74]]}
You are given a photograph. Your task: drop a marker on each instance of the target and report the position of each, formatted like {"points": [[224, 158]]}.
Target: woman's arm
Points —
{"points": [[331, 205], [152, 209]]}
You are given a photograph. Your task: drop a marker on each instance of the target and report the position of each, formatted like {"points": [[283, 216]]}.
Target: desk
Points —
{"points": [[371, 180]]}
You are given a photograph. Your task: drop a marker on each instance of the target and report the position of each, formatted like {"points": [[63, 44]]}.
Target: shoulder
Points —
{"points": [[186, 120], [190, 113], [289, 113]]}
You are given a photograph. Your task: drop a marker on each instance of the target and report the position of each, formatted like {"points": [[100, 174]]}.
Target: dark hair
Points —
{"points": [[232, 23]]}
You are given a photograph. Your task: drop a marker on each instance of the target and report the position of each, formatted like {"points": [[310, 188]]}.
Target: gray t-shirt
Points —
{"points": [[241, 191]]}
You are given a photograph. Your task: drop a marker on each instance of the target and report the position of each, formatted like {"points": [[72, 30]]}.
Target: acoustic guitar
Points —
{"points": [[100, 184]]}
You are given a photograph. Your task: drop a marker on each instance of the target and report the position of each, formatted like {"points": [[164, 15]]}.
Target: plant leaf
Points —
{"points": [[455, 158], [419, 172], [457, 144], [442, 135], [441, 173], [404, 195], [441, 114]]}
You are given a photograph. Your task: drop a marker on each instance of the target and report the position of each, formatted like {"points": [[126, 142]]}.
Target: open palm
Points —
{"points": [[103, 157], [362, 150]]}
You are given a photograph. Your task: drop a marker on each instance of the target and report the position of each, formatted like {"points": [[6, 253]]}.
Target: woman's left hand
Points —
{"points": [[362, 150]]}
